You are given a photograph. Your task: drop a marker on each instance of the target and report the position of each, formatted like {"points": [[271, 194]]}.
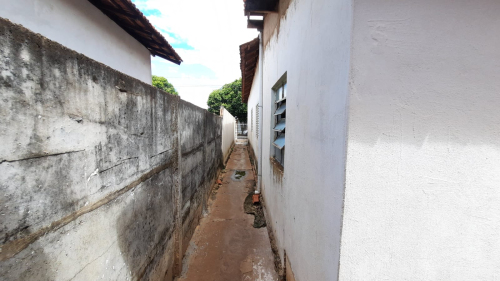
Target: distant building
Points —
{"points": [[114, 33], [378, 126]]}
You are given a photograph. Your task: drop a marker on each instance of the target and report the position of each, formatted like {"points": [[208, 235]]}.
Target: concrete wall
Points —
{"points": [[228, 133], [422, 200], [310, 41], [102, 176], [201, 157], [82, 27]]}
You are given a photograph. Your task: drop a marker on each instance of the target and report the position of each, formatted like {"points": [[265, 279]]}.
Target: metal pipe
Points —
{"points": [[261, 110]]}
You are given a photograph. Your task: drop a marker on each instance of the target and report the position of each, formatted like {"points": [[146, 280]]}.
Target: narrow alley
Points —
{"points": [[226, 246], [135, 134]]}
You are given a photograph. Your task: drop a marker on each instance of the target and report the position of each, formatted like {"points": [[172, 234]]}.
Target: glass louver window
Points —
{"points": [[279, 128]]}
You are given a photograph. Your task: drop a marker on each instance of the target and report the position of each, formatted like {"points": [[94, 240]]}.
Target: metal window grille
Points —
{"points": [[280, 124], [251, 120], [257, 120]]}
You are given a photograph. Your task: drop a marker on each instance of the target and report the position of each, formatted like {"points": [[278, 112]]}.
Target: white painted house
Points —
{"points": [[388, 164], [114, 33]]}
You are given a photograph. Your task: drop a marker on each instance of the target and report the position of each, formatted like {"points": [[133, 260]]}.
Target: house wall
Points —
{"points": [[82, 27], [228, 134], [311, 43], [422, 200], [102, 176], [253, 101]]}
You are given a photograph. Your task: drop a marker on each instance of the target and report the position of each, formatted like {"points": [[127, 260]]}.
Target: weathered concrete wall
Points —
{"points": [[228, 133], [101, 175], [201, 141], [422, 197], [82, 27]]}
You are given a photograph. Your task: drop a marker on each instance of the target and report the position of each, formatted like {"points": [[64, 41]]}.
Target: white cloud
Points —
{"points": [[214, 28]]}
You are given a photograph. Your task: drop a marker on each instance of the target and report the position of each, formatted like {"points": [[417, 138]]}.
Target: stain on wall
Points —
{"points": [[201, 140], [90, 164], [272, 21]]}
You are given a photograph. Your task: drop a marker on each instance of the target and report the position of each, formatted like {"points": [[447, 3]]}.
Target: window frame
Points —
{"points": [[279, 98]]}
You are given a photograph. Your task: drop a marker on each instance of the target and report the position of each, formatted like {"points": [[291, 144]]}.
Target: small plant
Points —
{"points": [[240, 174]]}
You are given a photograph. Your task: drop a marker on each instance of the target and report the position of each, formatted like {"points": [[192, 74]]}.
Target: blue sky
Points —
{"points": [[206, 34]]}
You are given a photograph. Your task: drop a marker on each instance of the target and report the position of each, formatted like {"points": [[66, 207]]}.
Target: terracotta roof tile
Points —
{"points": [[249, 55], [127, 16]]}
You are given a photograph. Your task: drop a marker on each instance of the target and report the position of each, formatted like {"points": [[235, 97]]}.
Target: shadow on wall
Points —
{"points": [[147, 226], [49, 189]]}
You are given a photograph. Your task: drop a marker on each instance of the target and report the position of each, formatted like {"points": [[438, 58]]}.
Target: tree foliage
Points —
{"points": [[163, 84], [228, 96]]}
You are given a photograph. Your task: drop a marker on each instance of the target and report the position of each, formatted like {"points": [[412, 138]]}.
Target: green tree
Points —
{"points": [[163, 84], [228, 96]]}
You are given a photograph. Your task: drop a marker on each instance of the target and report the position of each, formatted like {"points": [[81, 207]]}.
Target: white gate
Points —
{"points": [[241, 130]]}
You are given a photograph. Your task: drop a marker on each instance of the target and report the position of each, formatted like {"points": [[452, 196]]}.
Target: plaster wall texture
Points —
{"points": [[82, 27], [422, 200], [95, 175], [253, 101], [311, 44], [228, 123]]}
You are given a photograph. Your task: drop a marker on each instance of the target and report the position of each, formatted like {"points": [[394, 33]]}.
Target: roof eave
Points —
{"points": [[249, 55], [126, 15]]}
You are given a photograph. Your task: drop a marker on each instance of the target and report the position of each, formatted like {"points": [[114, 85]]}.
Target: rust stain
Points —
{"points": [[277, 169]]}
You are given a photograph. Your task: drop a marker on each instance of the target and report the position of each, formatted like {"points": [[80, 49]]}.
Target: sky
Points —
{"points": [[206, 34]]}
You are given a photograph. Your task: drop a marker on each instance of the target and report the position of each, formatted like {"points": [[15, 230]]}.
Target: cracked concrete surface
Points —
{"points": [[225, 246]]}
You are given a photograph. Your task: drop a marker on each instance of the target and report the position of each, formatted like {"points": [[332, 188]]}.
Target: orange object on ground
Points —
{"points": [[256, 198]]}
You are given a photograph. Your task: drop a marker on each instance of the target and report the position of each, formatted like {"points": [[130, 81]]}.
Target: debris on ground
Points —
{"points": [[254, 209]]}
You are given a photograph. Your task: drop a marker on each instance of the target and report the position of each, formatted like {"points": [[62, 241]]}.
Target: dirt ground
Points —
{"points": [[226, 246]]}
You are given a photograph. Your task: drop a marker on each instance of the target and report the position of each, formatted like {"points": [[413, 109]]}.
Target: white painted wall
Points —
{"points": [[228, 128], [422, 199], [304, 207], [80, 26], [253, 100]]}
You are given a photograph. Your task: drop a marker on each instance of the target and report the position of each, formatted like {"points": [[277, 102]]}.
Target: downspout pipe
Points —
{"points": [[261, 111]]}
